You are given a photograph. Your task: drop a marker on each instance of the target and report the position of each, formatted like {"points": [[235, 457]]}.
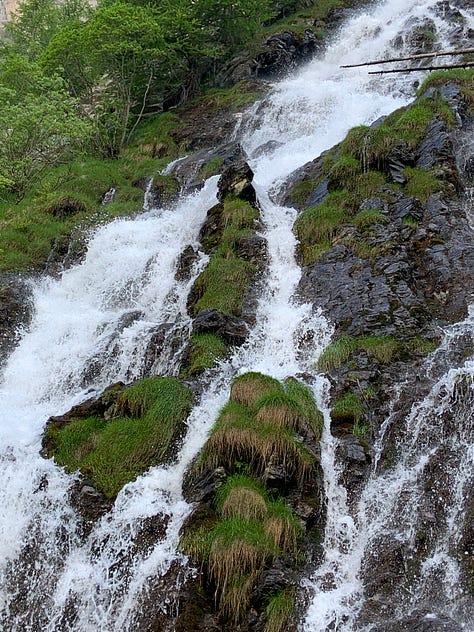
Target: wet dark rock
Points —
{"points": [[188, 258], [283, 52], [192, 171], [65, 207], [306, 187], [162, 191], [399, 158], [200, 484], [166, 341], [436, 146], [236, 181], [252, 248], [233, 330], [15, 313], [89, 502], [421, 36], [268, 147]]}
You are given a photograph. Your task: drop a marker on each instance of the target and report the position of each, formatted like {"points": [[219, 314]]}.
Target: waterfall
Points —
{"points": [[91, 328]]}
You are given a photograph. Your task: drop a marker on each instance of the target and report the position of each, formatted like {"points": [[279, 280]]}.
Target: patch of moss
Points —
{"points": [[149, 419], [222, 284], [421, 184], [317, 225], [211, 168], [382, 348], [347, 408], [365, 220], [205, 350]]}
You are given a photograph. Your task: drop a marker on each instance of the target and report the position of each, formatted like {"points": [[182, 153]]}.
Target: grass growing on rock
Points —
{"points": [[365, 220], [383, 348], [463, 77], [205, 350], [246, 389], [150, 417], [421, 184], [279, 611], [258, 426], [254, 524], [347, 408], [317, 225], [223, 284]]}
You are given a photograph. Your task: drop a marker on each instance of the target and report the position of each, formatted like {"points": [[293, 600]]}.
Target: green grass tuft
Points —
{"points": [[421, 184], [279, 611], [347, 408], [364, 220], [223, 284], [205, 351], [151, 416]]}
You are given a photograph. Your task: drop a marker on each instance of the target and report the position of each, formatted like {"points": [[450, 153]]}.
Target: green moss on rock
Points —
{"points": [[147, 420], [205, 350]]}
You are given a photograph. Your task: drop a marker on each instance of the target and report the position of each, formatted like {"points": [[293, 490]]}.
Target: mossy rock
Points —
{"points": [[113, 443]]}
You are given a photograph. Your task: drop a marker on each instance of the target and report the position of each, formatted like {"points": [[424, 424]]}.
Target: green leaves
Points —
{"points": [[39, 125]]}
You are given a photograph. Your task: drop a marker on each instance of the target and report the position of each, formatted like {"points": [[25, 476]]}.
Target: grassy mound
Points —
{"points": [[147, 421]]}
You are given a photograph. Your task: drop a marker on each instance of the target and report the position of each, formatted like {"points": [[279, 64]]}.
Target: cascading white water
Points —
{"points": [[92, 326]]}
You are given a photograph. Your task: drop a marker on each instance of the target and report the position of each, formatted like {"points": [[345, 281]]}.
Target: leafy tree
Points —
{"points": [[35, 22], [232, 23], [120, 64], [39, 124]]}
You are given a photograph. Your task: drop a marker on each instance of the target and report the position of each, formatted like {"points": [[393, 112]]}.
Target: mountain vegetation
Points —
{"points": [[84, 90]]}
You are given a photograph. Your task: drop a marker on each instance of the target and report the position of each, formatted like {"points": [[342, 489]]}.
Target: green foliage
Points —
{"points": [[421, 184], [211, 168], [364, 220], [222, 285], [249, 387], [39, 124], [343, 169], [35, 22], [301, 192], [383, 348], [149, 417], [360, 430], [253, 525], [205, 351], [317, 225], [263, 428], [302, 394], [234, 98], [279, 611], [347, 408]]}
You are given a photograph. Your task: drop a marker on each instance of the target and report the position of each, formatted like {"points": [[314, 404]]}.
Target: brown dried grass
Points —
{"points": [[234, 566], [250, 387], [283, 531], [258, 446], [244, 502]]}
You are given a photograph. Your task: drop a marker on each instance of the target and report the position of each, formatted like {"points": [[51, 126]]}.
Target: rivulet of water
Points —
{"points": [[92, 326]]}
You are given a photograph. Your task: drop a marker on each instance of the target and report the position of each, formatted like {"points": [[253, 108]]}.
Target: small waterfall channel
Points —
{"points": [[91, 328]]}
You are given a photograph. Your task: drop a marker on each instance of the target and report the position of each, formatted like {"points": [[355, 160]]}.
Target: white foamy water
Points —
{"points": [[92, 326]]}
